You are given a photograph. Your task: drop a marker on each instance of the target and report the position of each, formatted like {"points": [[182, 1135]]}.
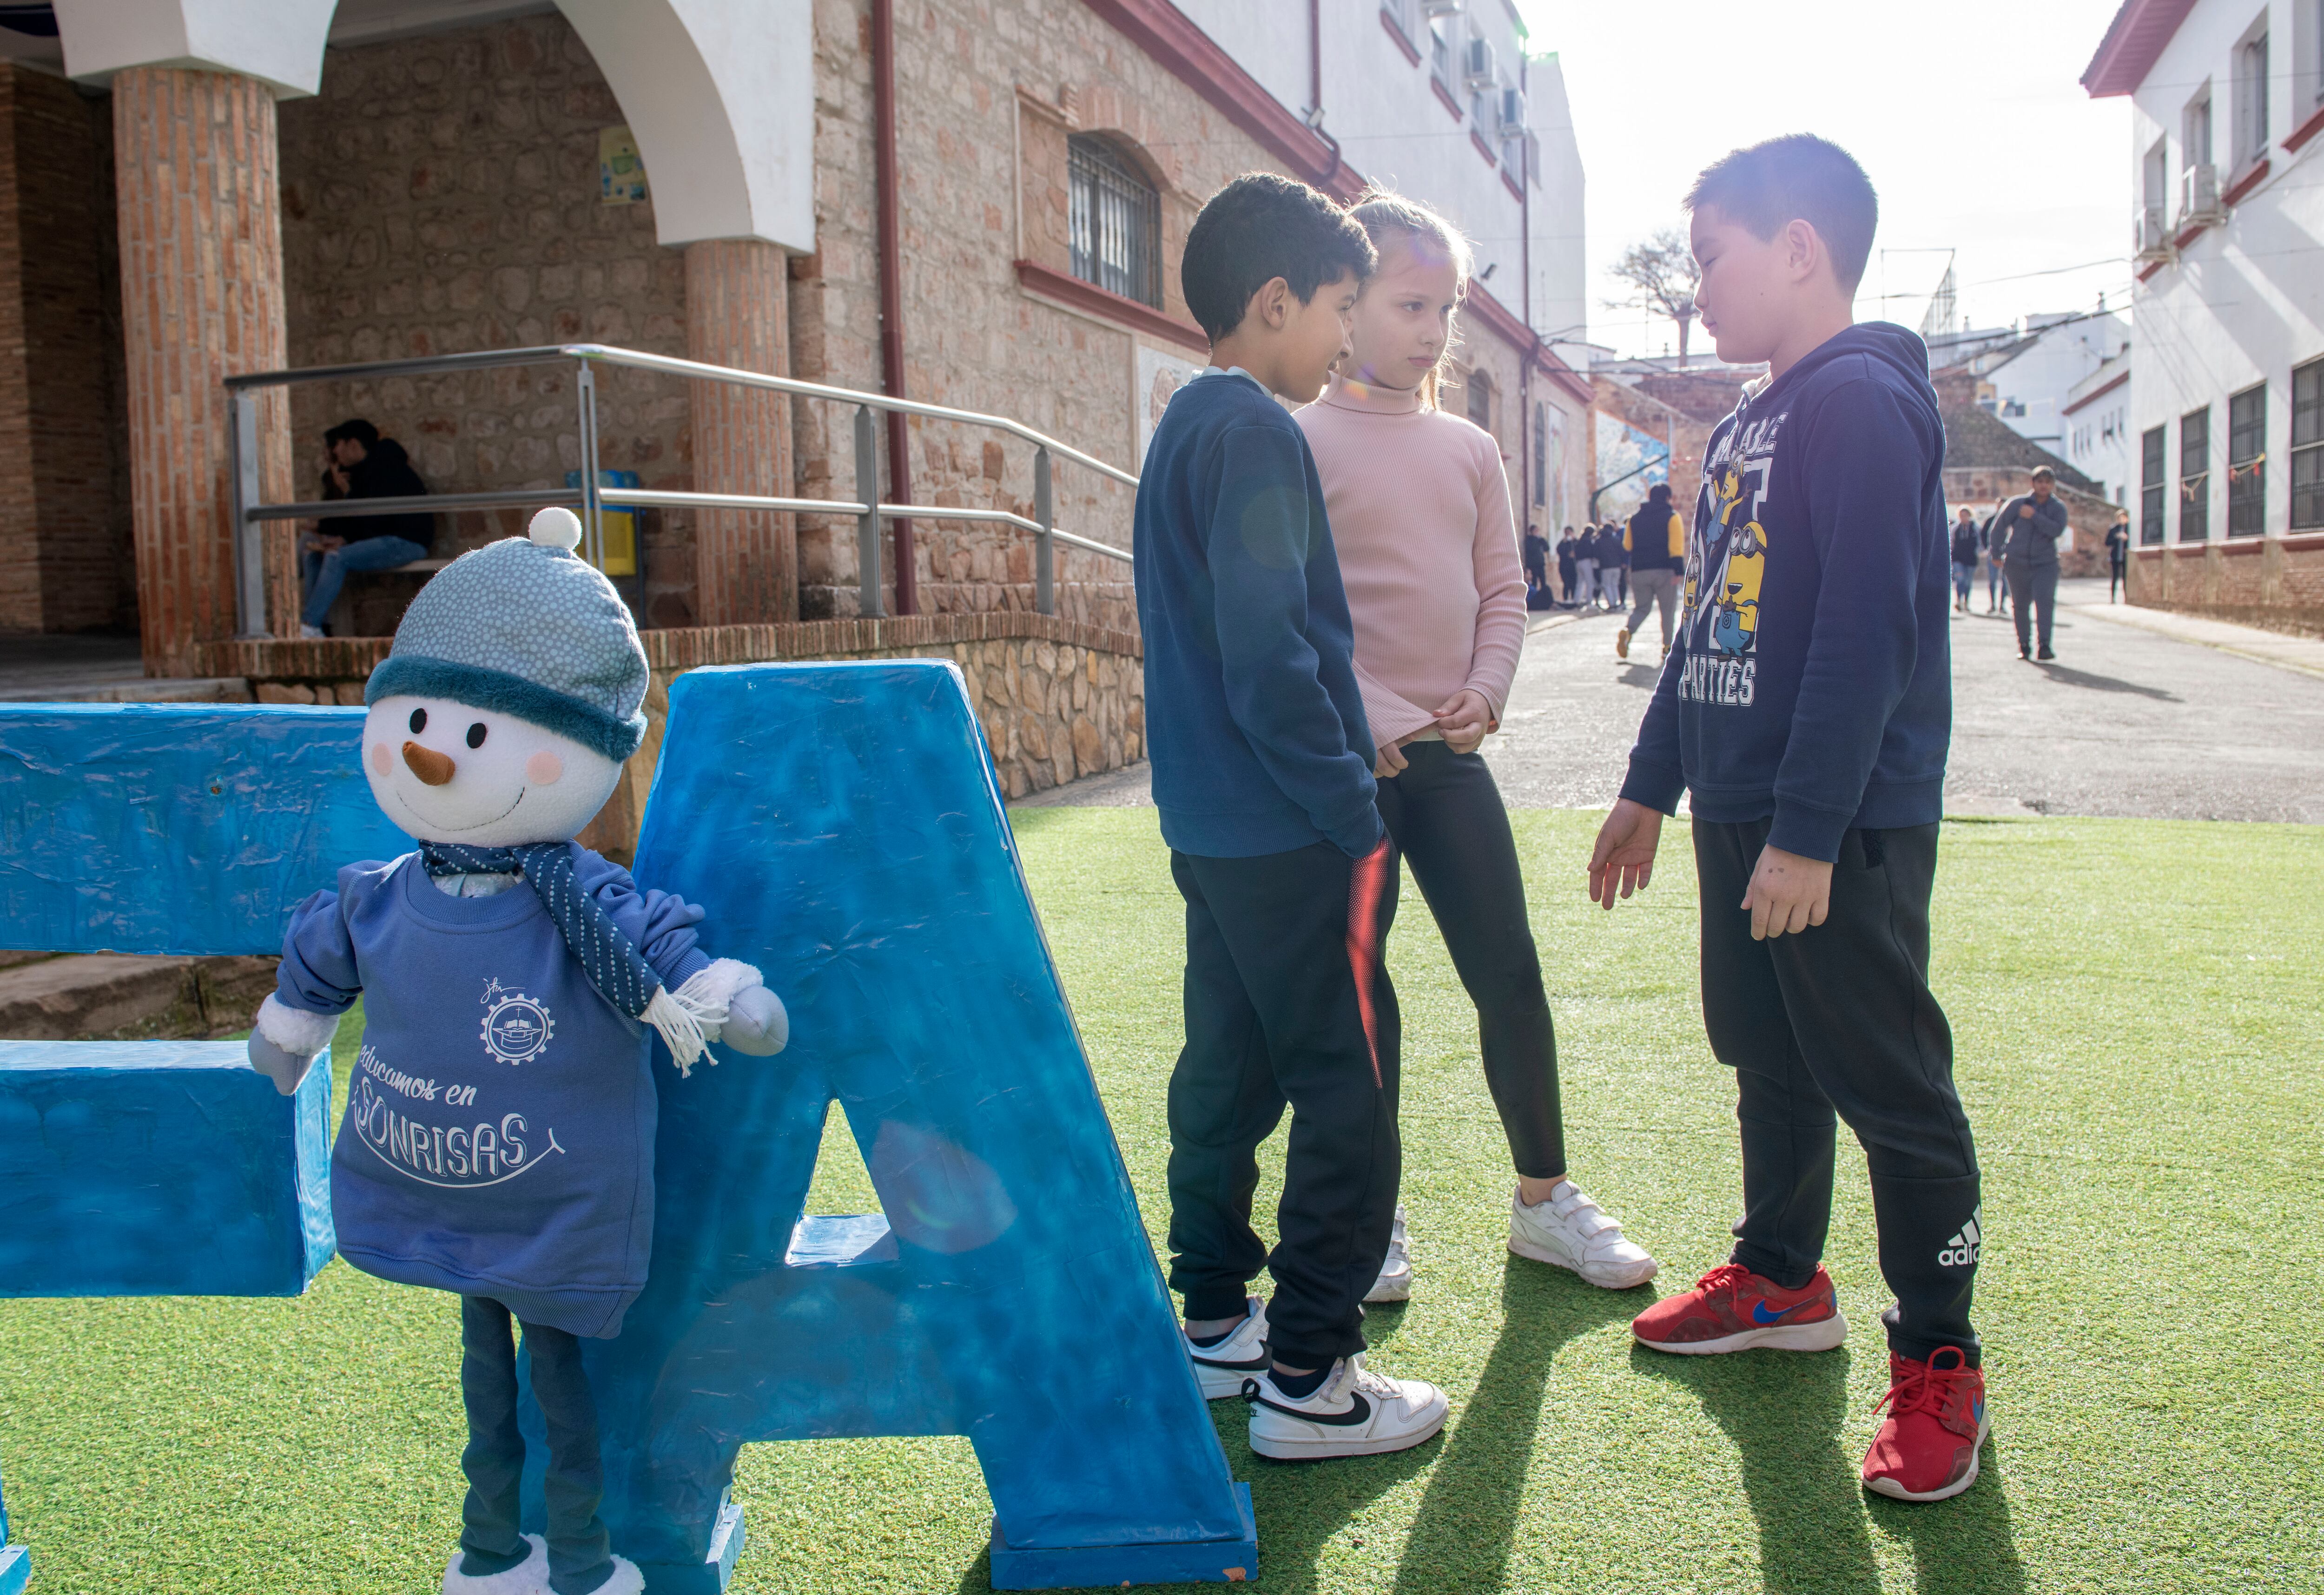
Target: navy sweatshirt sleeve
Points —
{"points": [[1657, 773], [1256, 545], [1865, 519], [660, 926], [317, 973]]}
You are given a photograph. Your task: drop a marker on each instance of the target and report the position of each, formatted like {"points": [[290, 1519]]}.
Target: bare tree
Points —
{"points": [[1663, 272]]}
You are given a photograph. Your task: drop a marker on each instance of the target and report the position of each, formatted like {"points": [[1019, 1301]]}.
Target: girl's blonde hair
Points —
{"points": [[1389, 217]]}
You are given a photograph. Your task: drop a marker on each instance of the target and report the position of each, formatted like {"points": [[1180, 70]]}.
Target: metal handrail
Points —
{"points": [[591, 497]]}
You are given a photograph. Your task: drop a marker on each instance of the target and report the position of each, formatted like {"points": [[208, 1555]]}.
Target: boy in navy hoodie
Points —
{"points": [[1808, 709], [1263, 775]]}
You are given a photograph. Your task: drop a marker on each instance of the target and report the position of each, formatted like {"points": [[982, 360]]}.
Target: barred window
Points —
{"points": [[2247, 463], [1481, 402], [1117, 222], [2307, 445], [2195, 477], [2152, 487]]}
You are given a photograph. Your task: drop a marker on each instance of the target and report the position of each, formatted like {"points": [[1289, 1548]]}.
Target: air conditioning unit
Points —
{"points": [[1480, 69], [2149, 234], [1442, 8], [2198, 194], [1513, 113]]}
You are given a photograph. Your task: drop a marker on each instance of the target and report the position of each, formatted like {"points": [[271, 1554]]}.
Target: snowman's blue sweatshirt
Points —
{"points": [[500, 1128]]}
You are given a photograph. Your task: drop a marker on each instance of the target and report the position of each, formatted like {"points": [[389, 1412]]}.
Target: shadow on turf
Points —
{"points": [[1460, 1538], [1800, 1449]]}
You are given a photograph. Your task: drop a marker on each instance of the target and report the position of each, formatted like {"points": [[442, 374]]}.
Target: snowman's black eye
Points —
{"points": [[418, 721], [477, 734]]}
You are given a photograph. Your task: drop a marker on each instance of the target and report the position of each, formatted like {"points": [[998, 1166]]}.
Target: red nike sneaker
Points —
{"points": [[1927, 1444], [1732, 1309]]}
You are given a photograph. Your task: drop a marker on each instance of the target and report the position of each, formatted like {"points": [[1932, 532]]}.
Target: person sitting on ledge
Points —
{"points": [[363, 464]]}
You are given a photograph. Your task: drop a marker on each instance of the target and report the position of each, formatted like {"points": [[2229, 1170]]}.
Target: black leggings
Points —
{"points": [[1448, 820]]}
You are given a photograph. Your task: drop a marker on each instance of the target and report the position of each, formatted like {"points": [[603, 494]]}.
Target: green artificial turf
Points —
{"points": [[2140, 1044]]}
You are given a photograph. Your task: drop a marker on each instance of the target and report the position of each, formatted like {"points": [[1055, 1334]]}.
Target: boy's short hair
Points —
{"points": [[2043, 473], [1659, 494], [1799, 175], [359, 429], [1258, 228]]}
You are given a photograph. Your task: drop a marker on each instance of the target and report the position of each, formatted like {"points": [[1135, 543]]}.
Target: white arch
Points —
{"points": [[277, 42], [720, 96], [719, 93]]}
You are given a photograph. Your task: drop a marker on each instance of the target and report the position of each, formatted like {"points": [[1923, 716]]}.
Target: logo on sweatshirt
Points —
{"points": [[517, 1028], [487, 1151], [1960, 1252], [1726, 567]]}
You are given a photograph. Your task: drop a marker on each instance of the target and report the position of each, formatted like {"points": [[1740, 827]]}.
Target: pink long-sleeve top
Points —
{"points": [[1420, 514]]}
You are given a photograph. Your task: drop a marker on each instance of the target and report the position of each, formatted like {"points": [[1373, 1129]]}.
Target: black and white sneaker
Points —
{"points": [[1220, 1369], [1394, 1281], [1354, 1412]]}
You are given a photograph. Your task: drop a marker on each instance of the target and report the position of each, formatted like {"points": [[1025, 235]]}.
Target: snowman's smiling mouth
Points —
{"points": [[461, 830]]}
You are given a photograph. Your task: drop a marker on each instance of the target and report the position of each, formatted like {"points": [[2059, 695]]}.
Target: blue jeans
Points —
{"points": [[579, 1549], [1964, 578], [324, 574]]}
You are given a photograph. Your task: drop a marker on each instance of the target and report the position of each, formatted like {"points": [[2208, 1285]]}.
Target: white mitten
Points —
{"points": [[757, 1023], [284, 1040]]}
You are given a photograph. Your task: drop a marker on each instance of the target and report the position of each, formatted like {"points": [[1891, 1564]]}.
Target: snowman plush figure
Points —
{"points": [[499, 1135]]}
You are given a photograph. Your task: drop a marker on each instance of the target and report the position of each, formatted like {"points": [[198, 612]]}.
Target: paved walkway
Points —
{"points": [[2143, 715]]}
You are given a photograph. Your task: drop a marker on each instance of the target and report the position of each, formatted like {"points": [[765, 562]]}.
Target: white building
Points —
{"points": [[2097, 426], [2226, 368], [2029, 383], [1440, 100]]}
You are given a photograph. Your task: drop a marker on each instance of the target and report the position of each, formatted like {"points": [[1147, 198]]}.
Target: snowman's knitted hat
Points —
{"points": [[524, 627]]}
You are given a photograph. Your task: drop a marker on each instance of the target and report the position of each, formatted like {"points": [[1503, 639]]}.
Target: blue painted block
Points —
{"points": [[841, 827], [16, 1569], [1082, 1567], [176, 827], [159, 1168]]}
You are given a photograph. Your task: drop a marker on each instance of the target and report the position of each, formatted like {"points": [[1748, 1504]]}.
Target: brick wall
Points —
{"points": [[68, 564], [440, 194], [2277, 583], [974, 337]]}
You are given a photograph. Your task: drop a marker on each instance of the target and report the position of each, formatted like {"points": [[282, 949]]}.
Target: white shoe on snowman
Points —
{"points": [[529, 1577], [626, 1579]]}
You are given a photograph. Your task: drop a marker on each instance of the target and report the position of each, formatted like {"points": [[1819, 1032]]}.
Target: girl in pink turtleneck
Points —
{"points": [[1419, 509]]}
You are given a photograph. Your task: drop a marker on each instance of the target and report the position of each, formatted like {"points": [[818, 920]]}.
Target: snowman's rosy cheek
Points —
{"points": [[382, 761], [544, 769]]}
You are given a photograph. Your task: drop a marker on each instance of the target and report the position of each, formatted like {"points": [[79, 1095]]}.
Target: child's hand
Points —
{"points": [[1463, 719], [1391, 758], [1625, 854], [1787, 893]]}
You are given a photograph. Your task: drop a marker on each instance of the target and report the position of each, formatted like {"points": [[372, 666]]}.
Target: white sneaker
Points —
{"points": [[1354, 1412], [529, 1577], [1394, 1281], [1568, 1230], [627, 1580], [1220, 1369], [310, 633]]}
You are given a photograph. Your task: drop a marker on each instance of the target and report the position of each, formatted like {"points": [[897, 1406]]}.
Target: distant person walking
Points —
{"points": [[1585, 569], [363, 464], [1966, 539], [1565, 547], [2028, 529], [1987, 532], [1536, 569], [2118, 556], [1656, 540]]}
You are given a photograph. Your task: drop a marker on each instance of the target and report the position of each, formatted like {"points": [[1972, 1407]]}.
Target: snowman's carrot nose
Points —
{"points": [[428, 764]]}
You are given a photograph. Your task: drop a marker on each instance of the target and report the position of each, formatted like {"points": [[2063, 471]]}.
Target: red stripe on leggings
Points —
{"points": [[1366, 882]]}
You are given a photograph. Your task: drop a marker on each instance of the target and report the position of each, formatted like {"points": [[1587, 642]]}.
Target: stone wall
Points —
{"points": [[439, 195], [2277, 583], [68, 563], [1057, 700]]}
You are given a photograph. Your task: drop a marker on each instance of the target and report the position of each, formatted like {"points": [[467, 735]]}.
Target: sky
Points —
{"points": [[1968, 118]]}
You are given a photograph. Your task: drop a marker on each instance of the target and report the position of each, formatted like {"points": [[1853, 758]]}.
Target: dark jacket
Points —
{"points": [[1813, 682], [1253, 721], [2030, 543], [385, 471], [1610, 553], [1966, 539], [1655, 539]]}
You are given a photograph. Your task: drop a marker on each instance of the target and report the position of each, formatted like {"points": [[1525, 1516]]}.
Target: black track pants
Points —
{"points": [[1288, 1003], [1839, 1018], [1448, 820]]}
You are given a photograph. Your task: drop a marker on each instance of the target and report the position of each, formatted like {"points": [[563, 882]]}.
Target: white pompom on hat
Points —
{"points": [[556, 527]]}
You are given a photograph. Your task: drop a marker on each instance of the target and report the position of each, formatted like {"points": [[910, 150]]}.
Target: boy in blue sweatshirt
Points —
{"points": [[1808, 709], [1262, 773]]}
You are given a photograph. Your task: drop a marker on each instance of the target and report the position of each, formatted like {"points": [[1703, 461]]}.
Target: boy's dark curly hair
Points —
{"points": [[1258, 228]]}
